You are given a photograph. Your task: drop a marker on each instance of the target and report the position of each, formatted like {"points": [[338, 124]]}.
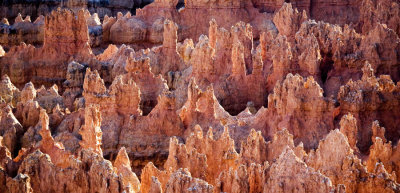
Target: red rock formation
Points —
{"points": [[295, 96], [355, 97], [22, 30], [69, 39], [59, 157], [182, 181], [380, 11], [289, 173], [252, 106], [98, 175], [348, 126], [66, 36], [288, 21], [123, 169], [201, 108], [281, 140], [332, 158], [11, 128], [153, 179], [75, 77], [254, 149], [90, 131], [233, 181], [9, 93]]}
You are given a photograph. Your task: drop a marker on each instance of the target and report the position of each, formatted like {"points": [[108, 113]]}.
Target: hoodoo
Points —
{"points": [[199, 96]]}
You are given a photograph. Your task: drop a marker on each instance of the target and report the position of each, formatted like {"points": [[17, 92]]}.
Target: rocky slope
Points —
{"points": [[256, 96]]}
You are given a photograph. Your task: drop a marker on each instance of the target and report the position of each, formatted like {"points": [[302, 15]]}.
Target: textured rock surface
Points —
{"points": [[200, 96]]}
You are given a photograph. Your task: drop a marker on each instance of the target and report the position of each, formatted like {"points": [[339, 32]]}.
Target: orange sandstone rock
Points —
{"points": [[90, 131]]}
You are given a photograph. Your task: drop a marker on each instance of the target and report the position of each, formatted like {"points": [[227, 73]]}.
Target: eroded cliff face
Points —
{"points": [[241, 100], [119, 22]]}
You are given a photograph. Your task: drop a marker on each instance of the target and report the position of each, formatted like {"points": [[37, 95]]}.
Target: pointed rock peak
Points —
{"points": [[95, 18], [378, 131], [122, 159], [42, 89], [368, 72], [336, 144], [45, 131], [204, 100], [238, 63], [93, 83], [193, 90], [6, 84], [120, 15], [279, 141], [173, 141], [54, 90], [91, 132], [128, 15], [39, 20], [288, 20], [299, 151], [138, 65], [170, 34], [255, 135], [294, 83], [283, 136], [287, 154], [182, 181], [198, 132], [5, 21], [108, 53], [150, 170], [380, 169], [310, 82], [106, 18], [27, 19], [254, 149], [213, 23], [241, 31], [335, 135], [348, 126], [28, 92], [174, 147], [380, 152], [123, 169], [48, 145], [57, 109], [167, 100], [212, 32], [203, 41], [18, 19], [296, 175]]}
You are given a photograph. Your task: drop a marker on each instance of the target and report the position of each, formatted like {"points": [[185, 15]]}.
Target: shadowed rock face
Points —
{"points": [[34, 8], [218, 96]]}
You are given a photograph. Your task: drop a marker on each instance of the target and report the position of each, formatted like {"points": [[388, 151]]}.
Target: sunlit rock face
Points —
{"points": [[200, 96]]}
